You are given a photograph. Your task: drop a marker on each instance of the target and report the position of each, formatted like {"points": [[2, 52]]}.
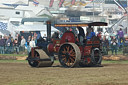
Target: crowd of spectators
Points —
{"points": [[8, 44], [115, 42]]}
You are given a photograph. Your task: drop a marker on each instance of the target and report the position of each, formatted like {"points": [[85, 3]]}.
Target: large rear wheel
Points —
{"points": [[69, 55]]}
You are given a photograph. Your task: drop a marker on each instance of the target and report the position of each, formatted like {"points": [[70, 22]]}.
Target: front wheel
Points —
{"points": [[33, 62]]}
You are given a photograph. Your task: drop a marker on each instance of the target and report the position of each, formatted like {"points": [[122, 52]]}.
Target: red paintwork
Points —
{"points": [[87, 50], [96, 42], [89, 42], [88, 60], [81, 50], [33, 51], [54, 47], [56, 41], [51, 47], [68, 37]]}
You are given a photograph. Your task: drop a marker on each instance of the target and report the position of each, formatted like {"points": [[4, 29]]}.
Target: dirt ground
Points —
{"points": [[23, 74]]}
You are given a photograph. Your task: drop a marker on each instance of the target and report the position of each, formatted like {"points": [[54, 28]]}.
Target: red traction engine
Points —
{"points": [[71, 53]]}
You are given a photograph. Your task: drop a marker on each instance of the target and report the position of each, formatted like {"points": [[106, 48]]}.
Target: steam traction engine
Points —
{"points": [[70, 51]]}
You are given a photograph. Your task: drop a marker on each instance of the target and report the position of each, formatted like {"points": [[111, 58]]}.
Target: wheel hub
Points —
{"points": [[67, 55]]}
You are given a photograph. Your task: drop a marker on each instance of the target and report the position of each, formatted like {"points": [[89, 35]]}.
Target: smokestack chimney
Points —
{"points": [[48, 31]]}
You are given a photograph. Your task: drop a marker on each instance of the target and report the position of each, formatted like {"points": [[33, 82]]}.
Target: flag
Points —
{"points": [[35, 2], [73, 2], [51, 3], [3, 26], [61, 2]]}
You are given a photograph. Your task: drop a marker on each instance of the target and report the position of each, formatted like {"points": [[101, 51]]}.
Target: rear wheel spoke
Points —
{"points": [[72, 60], [67, 49]]}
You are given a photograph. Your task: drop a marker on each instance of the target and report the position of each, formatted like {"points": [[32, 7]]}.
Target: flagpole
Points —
{"points": [[103, 9], [127, 16], [93, 11]]}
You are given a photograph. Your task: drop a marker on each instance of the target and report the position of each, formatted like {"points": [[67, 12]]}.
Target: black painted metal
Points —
{"points": [[48, 31], [33, 62]]}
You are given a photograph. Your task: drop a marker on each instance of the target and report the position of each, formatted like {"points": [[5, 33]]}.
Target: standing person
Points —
{"points": [[114, 44], [16, 45], [23, 41], [28, 47], [8, 45], [11, 43], [121, 37], [38, 35], [2, 45], [29, 39], [35, 39], [105, 44], [32, 43], [35, 34], [19, 39]]}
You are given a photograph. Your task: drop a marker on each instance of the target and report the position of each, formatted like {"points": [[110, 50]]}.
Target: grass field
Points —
{"points": [[15, 72], [13, 55]]}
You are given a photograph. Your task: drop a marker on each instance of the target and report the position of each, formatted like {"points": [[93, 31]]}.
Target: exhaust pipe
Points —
{"points": [[48, 31]]}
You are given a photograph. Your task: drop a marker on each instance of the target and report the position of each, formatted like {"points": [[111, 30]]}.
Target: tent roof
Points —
{"points": [[75, 24], [33, 28], [44, 19]]}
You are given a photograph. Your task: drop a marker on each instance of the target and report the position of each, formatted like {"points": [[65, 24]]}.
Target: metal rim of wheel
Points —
{"points": [[33, 63], [96, 56], [69, 55]]}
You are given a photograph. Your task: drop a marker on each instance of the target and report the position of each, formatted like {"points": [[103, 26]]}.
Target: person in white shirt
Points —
{"points": [[32, 43], [22, 44]]}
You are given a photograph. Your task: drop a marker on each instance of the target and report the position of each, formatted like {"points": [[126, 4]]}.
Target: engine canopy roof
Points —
{"points": [[80, 24]]}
